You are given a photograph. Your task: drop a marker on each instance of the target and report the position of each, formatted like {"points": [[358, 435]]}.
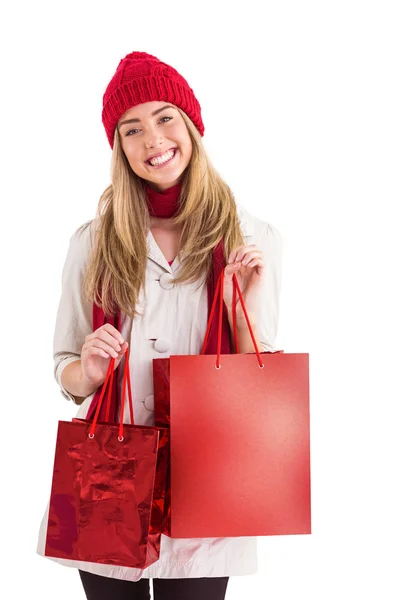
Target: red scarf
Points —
{"points": [[165, 204]]}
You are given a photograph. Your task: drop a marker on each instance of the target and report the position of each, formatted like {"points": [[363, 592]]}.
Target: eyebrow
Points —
{"points": [[153, 114]]}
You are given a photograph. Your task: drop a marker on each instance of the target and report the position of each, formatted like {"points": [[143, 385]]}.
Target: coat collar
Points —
{"points": [[155, 254]]}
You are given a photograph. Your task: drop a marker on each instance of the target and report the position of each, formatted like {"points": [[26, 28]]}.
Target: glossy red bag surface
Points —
{"points": [[240, 443], [108, 490], [161, 381]]}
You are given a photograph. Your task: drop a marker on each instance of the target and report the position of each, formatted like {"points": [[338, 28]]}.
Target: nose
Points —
{"points": [[153, 139]]}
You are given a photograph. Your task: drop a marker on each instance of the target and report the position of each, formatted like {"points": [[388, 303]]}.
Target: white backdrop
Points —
{"points": [[300, 102]]}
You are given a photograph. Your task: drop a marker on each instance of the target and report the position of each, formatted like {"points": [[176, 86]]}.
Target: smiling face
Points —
{"points": [[157, 131]]}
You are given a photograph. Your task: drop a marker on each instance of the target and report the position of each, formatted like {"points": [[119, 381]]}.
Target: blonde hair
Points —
{"points": [[116, 269]]}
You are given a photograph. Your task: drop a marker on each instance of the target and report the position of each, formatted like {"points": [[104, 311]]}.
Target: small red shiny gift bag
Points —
{"points": [[240, 440], [108, 489]]}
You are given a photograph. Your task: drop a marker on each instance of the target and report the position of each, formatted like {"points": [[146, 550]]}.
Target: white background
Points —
{"points": [[300, 102]]}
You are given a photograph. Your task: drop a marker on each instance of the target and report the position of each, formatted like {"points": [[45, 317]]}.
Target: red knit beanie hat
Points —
{"points": [[141, 77]]}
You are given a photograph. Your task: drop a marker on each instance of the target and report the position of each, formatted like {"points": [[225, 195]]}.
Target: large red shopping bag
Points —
{"points": [[240, 440], [108, 489]]}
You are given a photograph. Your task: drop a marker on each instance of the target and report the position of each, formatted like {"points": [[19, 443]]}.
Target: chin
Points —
{"points": [[168, 179]]}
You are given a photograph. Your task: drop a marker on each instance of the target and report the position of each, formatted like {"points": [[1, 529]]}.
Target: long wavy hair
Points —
{"points": [[116, 269]]}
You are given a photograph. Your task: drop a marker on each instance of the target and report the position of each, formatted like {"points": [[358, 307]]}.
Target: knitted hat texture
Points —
{"points": [[141, 77]]}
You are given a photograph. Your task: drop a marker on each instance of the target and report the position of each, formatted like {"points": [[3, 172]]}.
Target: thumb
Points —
{"points": [[121, 354], [230, 269]]}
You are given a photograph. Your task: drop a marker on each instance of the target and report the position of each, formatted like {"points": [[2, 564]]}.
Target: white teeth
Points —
{"points": [[162, 159]]}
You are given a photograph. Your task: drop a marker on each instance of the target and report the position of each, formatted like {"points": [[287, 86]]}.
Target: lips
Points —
{"points": [[159, 154]]}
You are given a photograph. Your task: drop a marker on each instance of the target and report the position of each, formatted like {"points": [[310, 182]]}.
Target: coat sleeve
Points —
{"points": [[74, 315], [271, 244]]}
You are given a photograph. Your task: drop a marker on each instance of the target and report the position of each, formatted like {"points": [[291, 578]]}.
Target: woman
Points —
{"points": [[166, 227]]}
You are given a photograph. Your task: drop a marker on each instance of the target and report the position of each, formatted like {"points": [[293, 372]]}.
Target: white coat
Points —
{"points": [[173, 321]]}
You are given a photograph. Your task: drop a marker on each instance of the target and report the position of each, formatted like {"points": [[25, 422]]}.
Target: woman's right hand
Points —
{"points": [[99, 347]]}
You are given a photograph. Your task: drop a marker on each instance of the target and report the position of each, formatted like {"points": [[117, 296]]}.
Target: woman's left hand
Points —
{"points": [[247, 263]]}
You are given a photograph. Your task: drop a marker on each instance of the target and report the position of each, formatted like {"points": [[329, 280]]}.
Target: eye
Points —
{"points": [[162, 118]]}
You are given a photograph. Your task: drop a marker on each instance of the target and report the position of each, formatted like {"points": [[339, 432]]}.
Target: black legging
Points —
{"points": [[98, 587]]}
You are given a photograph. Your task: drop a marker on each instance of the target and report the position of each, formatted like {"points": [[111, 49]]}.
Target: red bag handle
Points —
{"points": [[220, 290], [108, 381]]}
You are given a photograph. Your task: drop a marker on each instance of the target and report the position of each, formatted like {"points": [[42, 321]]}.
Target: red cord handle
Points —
{"points": [[220, 290], [108, 382]]}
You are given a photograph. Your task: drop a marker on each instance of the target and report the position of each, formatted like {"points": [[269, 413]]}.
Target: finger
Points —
{"points": [[248, 255], [113, 332], [104, 332], [252, 256], [105, 336], [100, 344], [256, 262], [123, 348], [229, 271], [244, 251], [93, 351], [108, 333], [234, 254]]}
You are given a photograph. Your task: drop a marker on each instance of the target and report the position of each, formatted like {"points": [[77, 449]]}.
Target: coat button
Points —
{"points": [[149, 402], [165, 281], [162, 345]]}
